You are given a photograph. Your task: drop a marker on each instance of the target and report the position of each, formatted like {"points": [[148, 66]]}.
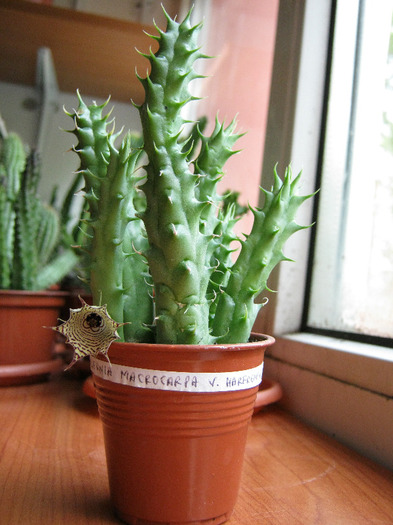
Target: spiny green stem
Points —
{"points": [[117, 267], [261, 251]]}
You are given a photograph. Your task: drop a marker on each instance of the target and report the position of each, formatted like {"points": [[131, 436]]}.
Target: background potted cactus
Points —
{"points": [[32, 259], [176, 391]]}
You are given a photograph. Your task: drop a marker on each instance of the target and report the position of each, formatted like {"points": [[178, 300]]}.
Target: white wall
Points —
{"points": [[19, 107]]}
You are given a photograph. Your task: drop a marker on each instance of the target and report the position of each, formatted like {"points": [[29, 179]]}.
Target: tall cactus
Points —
{"points": [[178, 252], [29, 229], [117, 269], [173, 252], [180, 217], [12, 165], [261, 251]]}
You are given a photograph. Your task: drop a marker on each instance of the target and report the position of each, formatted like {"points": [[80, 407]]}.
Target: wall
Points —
{"points": [[19, 107], [241, 37]]}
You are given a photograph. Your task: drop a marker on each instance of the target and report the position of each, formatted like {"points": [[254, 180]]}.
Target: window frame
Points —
{"points": [[342, 387]]}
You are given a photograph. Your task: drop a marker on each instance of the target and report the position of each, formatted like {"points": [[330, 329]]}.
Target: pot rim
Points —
{"points": [[256, 340], [33, 293]]}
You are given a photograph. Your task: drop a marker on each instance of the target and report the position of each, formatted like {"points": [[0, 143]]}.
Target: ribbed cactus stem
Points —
{"points": [[47, 234], [56, 269], [27, 222], [111, 256], [177, 254], [29, 230], [12, 165], [209, 166], [14, 160], [7, 222], [117, 267], [261, 251], [200, 295], [221, 258]]}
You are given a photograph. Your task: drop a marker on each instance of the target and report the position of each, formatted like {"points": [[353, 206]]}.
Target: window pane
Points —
{"points": [[352, 282]]}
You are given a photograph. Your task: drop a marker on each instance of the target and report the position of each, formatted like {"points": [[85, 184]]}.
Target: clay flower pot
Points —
{"points": [[26, 348], [175, 421], [269, 392]]}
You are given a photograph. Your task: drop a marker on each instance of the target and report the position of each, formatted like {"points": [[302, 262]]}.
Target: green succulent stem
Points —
{"points": [[261, 251], [200, 296], [29, 229], [178, 248], [117, 267], [162, 243]]}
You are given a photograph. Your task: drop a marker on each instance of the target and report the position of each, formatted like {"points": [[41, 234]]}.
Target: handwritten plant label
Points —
{"points": [[177, 381]]}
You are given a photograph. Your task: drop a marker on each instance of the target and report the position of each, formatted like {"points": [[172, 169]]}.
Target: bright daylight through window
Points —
{"points": [[352, 273]]}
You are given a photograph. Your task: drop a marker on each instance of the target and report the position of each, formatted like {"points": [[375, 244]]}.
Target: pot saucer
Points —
{"points": [[269, 392], [28, 372]]}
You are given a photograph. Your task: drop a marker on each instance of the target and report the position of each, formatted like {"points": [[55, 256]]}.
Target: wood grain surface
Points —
{"points": [[52, 467]]}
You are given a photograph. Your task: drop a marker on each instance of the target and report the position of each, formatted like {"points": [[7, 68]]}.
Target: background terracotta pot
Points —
{"points": [[176, 456], [269, 392], [26, 348]]}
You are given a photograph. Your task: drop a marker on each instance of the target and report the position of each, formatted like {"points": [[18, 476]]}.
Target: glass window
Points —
{"points": [[351, 290]]}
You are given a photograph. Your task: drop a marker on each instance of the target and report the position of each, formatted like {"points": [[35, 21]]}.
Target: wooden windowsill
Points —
{"points": [[52, 466]]}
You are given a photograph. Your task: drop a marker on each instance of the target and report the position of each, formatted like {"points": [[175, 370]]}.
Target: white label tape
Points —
{"points": [[177, 381]]}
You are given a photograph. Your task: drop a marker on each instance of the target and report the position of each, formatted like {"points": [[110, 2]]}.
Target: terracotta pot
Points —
{"points": [[175, 423], [269, 392], [26, 348]]}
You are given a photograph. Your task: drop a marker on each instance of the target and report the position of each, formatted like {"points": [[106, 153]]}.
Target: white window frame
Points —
{"points": [[344, 388]]}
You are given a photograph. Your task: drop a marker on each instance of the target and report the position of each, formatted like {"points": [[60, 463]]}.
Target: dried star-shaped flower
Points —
{"points": [[90, 330]]}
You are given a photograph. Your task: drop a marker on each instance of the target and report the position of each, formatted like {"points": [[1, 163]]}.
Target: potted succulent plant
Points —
{"points": [[176, 390], [30, 263]]}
